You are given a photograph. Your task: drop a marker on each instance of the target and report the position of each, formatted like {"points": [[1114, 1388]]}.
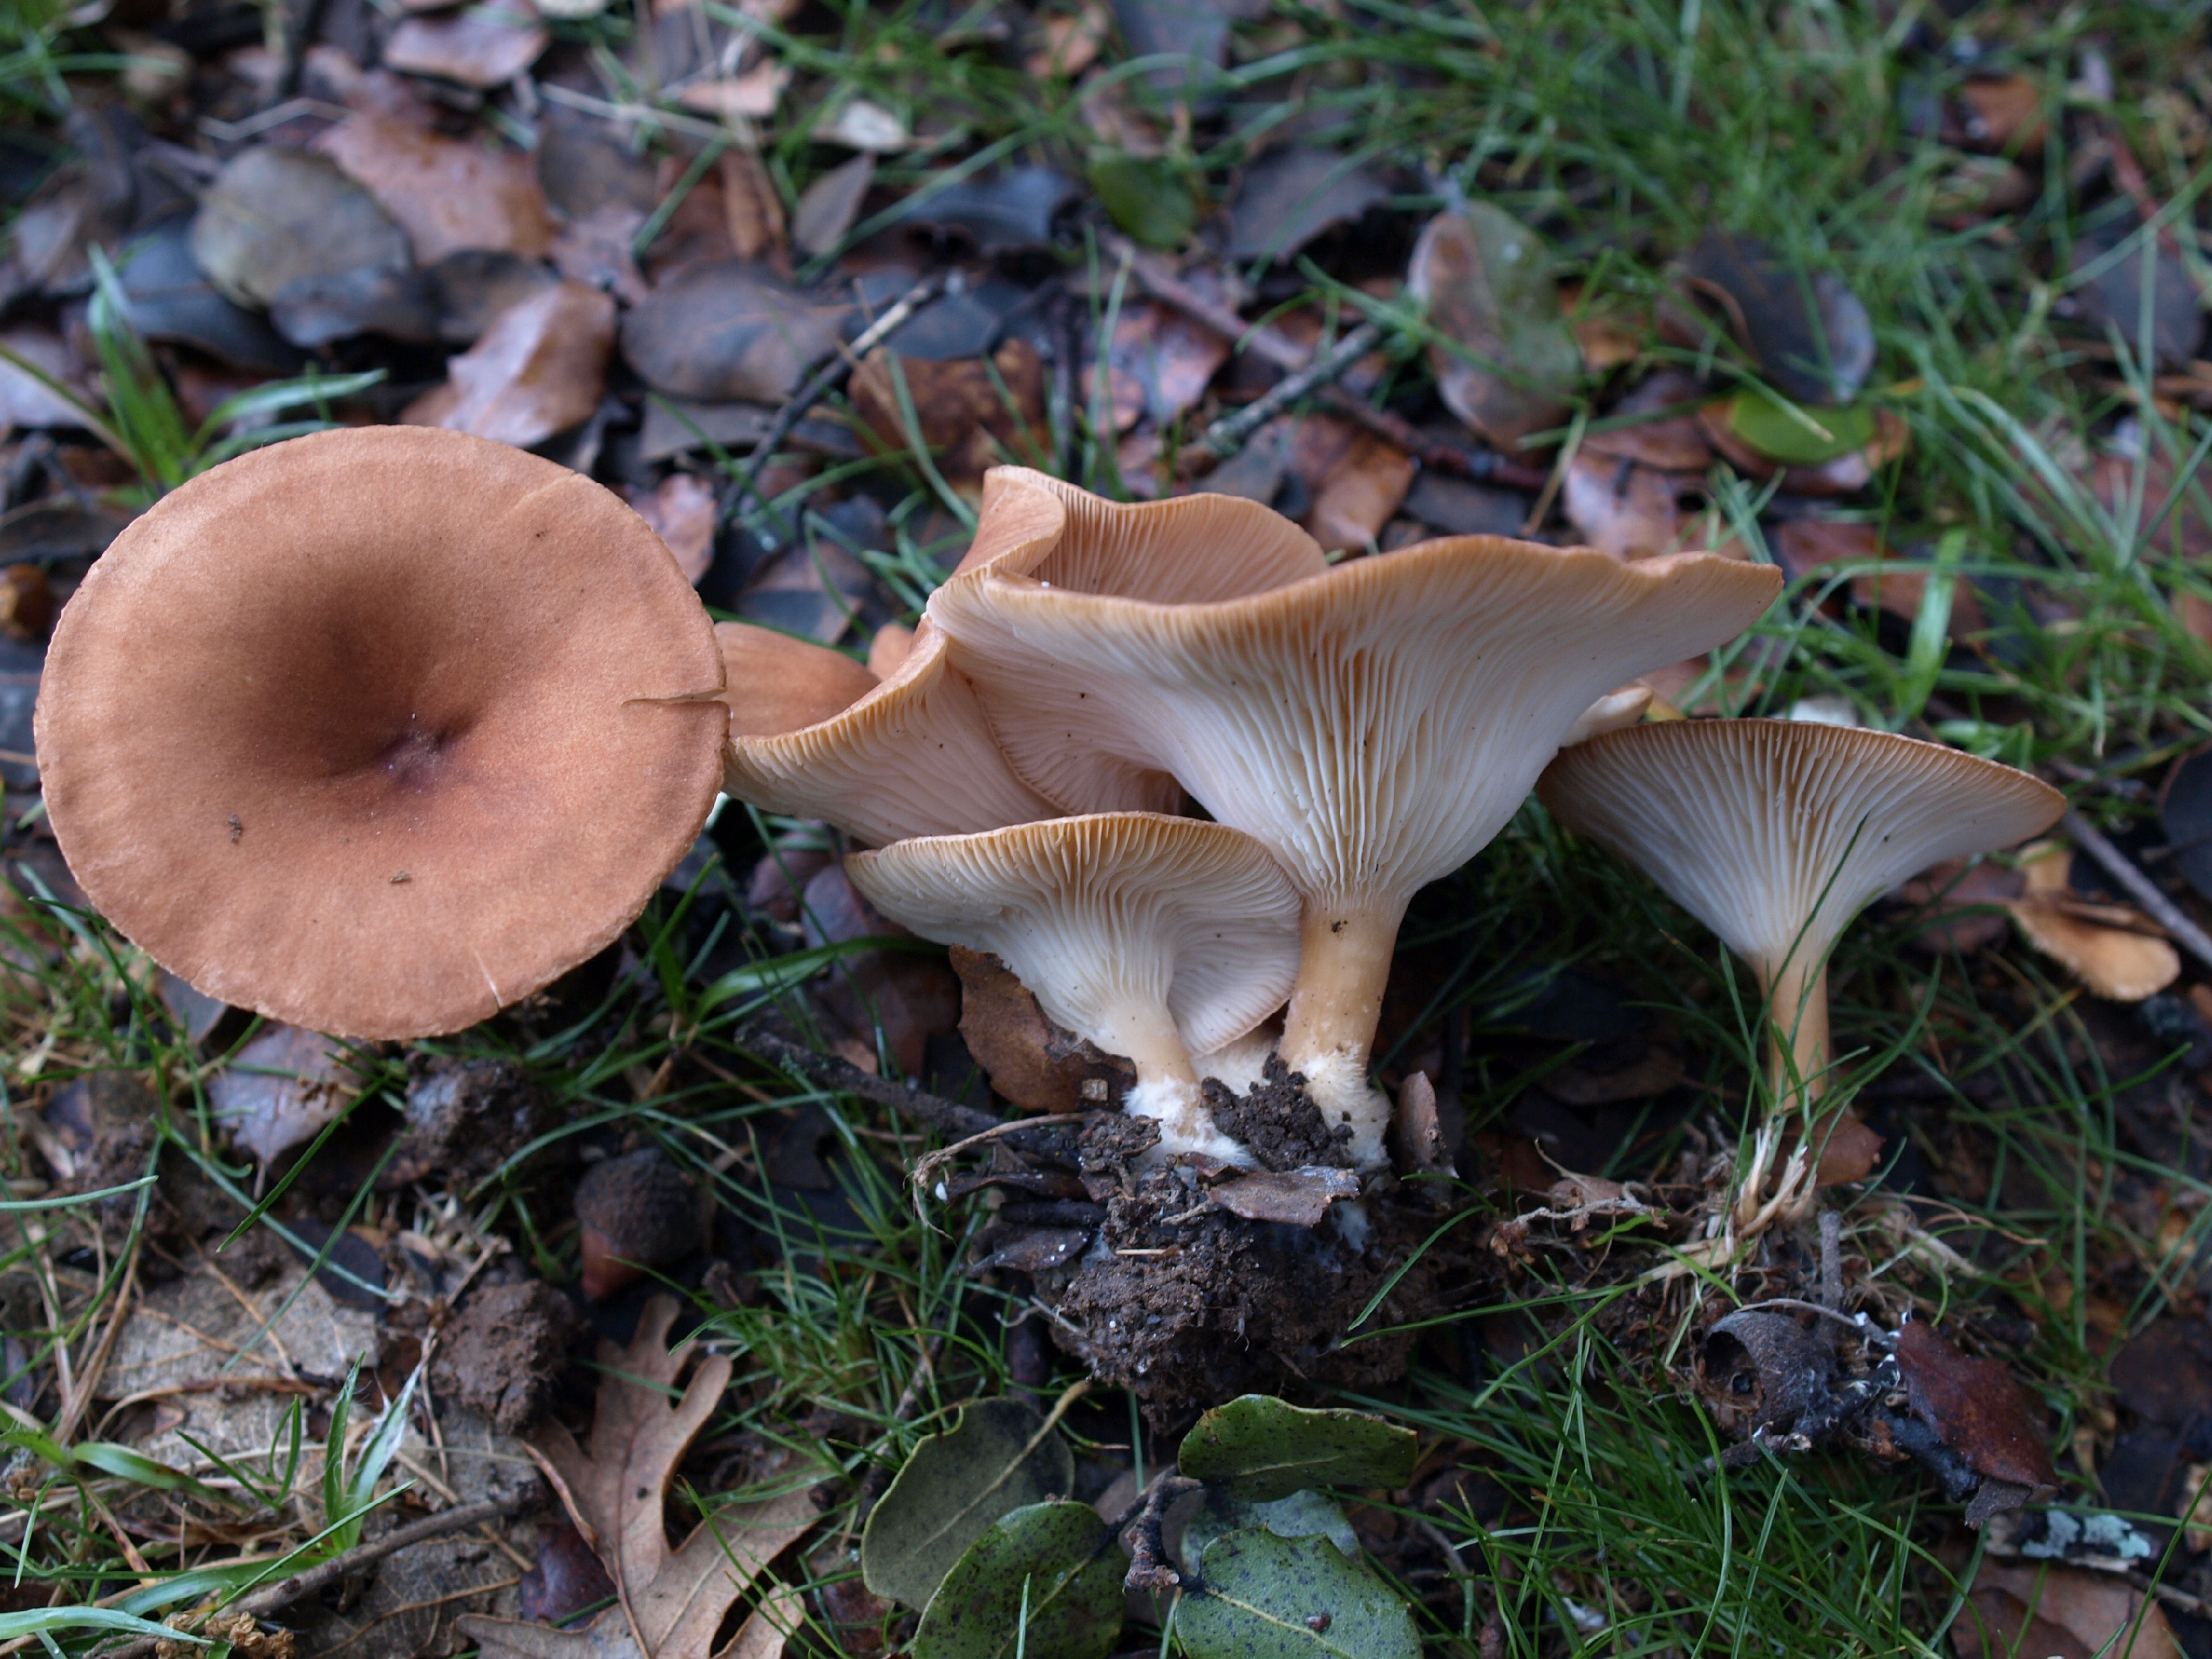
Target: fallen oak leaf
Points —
{"points": [[673, 1601], [1976, 1407]]}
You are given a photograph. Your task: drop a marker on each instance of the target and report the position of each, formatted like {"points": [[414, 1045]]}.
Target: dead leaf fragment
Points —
{"points": [[1067, 45], [1486, 279], [1293, 196], [728, 331], [1976, 1407], [24, 400], [1296, 1197], [1809, 335], [539, 369], [1955, 892], [275, 214], [673, 1601], [864, 126], [827, 207], [749, 205], [2005, 117], [1360, 494], [682, 513], [446, 194], [1010, 1038], [2058, 1613], [486, 45], [280, 1090], [2111, 949], [972, 413], [1623, 508], [753, 96]]}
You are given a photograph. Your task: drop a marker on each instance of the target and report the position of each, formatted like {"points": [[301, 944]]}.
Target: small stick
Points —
{"points": [[2159, 908], [826, 380], [272, 1597], [1228, 435], [1149, 1573], [834, 1072]]}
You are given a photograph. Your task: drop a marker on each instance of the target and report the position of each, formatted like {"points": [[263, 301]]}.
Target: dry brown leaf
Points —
{"points": [[2005, 116], [446, 194], [2058, 1613], [682, 513], [1008, 1034], [539, 369], [1360, 493], [1977, 1408], [1805, 544], [749, 203], [483, 47], [2111, 949], [673, 1601], [1672, 443], [1622, 508], [596, 250], [280, 1090], [753, 95], [968, 422], [1068, 45]]}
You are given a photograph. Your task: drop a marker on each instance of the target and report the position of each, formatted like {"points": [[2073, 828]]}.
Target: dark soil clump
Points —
{"points": [[1185, 1305], [464, 1118], [1279, 1120], [500, 1354]]}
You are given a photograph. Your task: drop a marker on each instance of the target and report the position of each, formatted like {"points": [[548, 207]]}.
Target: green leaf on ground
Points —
{"points": [[1799, 437], [1305, 1514], [1151, 199], [998, 1457], [1264, 1449], [1042, 1584], [1264, 1597]]}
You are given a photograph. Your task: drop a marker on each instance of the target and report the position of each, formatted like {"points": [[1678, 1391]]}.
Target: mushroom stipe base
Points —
{"points": [[1185, 1305]]}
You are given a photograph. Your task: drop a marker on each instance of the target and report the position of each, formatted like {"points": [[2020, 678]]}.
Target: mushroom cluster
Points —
{"points": [[435, 717]]}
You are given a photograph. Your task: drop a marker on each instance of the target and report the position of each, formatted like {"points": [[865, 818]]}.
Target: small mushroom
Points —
{"points": [[636, 1213], [376, 730], [1775, 834], [1155, 938], [910, 755], [1373, 726]]}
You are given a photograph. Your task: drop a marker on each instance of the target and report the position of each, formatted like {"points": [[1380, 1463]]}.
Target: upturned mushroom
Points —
{"points": [[1373, 726], [1775, 834], [1155, 938], [377, 731]]}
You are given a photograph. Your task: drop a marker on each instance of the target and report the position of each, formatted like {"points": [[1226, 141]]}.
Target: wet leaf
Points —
{"points": [[682, 513], [539, 369], [972, 414], [485, 45], [2185, 812], [445, 193], [1007, 1032], [673, 1601], [2058, 1613], [1161, 362], [1263, 1449], [1797, 436], [1007, 213], [274, 214], [166, 297], [829, 206], [997, 1458], [1809, 337], [1512, 361], [472, 288], [1293, 196], [1147, 196], [313, 311], [1977, 1408], [728, 331], [566, 1578], [280, 1090], [1264, 1597], [1044, 1583], [598, 251], [1359, 494], [2110, 948], [1294, 1198]]}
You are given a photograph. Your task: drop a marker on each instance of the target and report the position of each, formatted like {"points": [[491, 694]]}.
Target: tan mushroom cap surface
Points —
{"points": [[376, 730], [1106, 917], [911, 757], [1775, 833]]}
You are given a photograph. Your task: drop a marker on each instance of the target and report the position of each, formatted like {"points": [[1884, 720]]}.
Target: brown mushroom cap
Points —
{"points": [[911, 756], [775, 683], [1775, 833], [376, 730]]}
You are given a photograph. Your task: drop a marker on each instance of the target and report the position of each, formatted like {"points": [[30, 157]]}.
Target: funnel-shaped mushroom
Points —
{"points": [[1373, 726], [376, 730], [1155, 938], [1775, 833], [911, 756]]}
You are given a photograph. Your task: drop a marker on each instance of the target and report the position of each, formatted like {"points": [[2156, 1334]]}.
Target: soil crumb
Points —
{"points": [[464, 1118], [1279, 1121], [502, 1353]]}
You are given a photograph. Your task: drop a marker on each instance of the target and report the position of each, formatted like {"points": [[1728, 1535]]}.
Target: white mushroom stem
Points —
{"points": [[1344, 963]]}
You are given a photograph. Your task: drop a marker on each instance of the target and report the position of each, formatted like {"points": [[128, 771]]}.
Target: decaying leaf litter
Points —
{"points": [[1945, 377]]}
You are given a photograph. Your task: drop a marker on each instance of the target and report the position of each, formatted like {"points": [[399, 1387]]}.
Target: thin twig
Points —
{"points": [[271, 1598], [1148, 1572], [1229, 434], [832, 1072], [2140, 887], [826, 380]]}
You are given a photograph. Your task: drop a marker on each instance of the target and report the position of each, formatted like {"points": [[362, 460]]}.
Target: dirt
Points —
{"points": [[1186, 1305], [1279, 1120], [502, 1353], [464, 1118]]}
